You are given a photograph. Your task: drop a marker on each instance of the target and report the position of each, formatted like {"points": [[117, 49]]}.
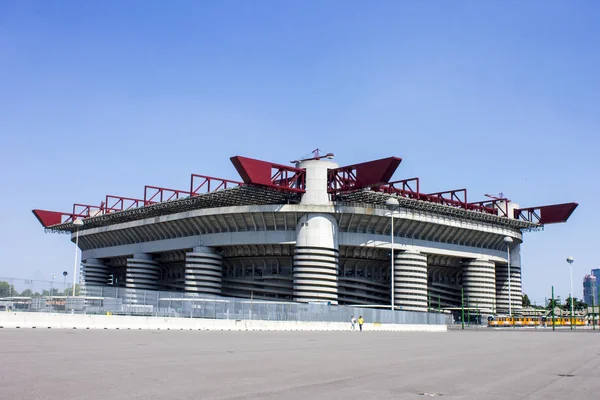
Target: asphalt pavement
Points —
{"points": [[122, 364]]}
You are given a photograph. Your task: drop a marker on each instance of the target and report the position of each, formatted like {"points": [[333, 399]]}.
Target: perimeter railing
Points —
{"points": [[32, 296]]}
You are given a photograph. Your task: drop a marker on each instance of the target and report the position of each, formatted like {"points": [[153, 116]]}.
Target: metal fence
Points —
{"points": [[14, 287], [125, 301]]}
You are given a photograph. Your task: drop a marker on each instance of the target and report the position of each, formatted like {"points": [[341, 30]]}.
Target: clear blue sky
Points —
{"points": [[495, 96]]}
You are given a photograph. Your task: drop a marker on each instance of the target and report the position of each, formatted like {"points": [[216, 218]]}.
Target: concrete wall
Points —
{"points": [[289, 237], [233, 237], [68, 321]]}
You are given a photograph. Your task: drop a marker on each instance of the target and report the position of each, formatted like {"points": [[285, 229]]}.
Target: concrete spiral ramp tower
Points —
{"points": [[410, 281], [203, 271], [479, 283], [142, 273], [316, 253], [516, 293], [95, 275]]}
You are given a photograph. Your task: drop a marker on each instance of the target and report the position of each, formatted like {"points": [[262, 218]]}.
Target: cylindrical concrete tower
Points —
{"points": [[410, 281], [142, 273], [516, 293], [316, 259], [479, 283], [516, 290], [203, 271], [316, 181], [94, 275], [316, 253]]}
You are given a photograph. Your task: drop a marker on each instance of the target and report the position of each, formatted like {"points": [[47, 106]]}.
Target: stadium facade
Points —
{"points": [[311, 232]]}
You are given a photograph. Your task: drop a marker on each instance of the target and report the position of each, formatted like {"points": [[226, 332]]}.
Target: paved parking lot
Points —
{"points": [[76, 364]]}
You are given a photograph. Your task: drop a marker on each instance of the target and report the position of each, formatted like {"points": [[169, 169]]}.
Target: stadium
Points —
{"points": [[311, 231]]}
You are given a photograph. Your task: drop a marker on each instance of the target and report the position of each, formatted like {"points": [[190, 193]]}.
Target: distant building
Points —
{"points": [[596, 273], [590, 293]]}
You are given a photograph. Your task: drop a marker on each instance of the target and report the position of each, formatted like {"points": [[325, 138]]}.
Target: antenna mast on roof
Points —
{"points": [[500, 197], [316, 155]]}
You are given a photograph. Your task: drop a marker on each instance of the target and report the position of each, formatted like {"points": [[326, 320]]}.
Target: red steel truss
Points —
{"points": [[371, 174], [546, 214], [455, 198], [374, 175], [152, 195], [82, 211], [496, 206], [409, 188], [86, 210], [51, 218], [268, 174], [155, 194], [209, 184], [118, 203]]}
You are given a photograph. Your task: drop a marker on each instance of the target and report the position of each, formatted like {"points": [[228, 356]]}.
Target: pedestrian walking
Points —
{"points": [[352, 323], [361, 321]]}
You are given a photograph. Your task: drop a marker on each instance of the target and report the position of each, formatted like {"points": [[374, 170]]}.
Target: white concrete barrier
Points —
{"points": [[70, 321]]}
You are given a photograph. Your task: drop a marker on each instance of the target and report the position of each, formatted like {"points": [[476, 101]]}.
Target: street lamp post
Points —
{"points": [[78, 223], [508, 240], [570, 260], [392, 205]]}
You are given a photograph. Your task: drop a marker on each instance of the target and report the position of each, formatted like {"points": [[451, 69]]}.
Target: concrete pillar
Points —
{"points": [[316, 258], [142, 273], [316, 254], [316, 181], [516, 292], [94, 275], [479, 283], [203, 271], [410, 281]]}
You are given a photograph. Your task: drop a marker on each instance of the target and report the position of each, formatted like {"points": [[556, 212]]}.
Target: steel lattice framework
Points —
{"points": [[265, 183]]}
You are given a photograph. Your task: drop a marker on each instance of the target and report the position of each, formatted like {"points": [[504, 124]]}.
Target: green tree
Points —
{"points": [[526, 301], [578, 305], [7, 290], [26, 293], [555, 304], [567, 305], [69, 291], [54, 292]]}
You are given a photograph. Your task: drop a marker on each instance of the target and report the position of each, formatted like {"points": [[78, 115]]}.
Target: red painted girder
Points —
{"points": [[85, 211], [155, 194], [543, 215], [408, 188], [455, 198], [491, 206], [210, 184], [364, 175], [119, 203], [478, 206], [268, 174], [50, 218]]}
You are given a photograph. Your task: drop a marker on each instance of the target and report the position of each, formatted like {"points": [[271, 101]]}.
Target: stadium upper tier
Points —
{"points": [[268, 183], [314, 231]]}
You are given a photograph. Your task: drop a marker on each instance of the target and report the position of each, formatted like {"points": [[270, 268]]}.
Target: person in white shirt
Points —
{"points": [[352, 323]]}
